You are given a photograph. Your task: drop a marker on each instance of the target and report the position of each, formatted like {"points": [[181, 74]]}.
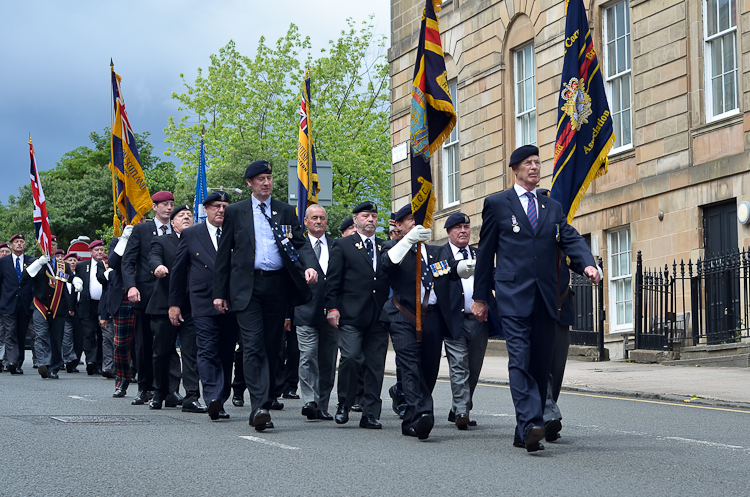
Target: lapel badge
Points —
{"points": [[359, 245], [154, 233], [273, 213], [514, 224]]}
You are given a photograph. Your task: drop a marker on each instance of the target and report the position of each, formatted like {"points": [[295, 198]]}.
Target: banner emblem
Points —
{"points": [[577, 104]]}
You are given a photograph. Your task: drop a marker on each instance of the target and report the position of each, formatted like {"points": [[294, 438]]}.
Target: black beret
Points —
{"points": [[217, 196], [178, 209], [456, 218], [346, 223], [365, 207], [256, 168], [402, 213], [521, 153]]}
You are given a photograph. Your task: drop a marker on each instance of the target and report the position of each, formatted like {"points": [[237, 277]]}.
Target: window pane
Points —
{"points": [[616, 95], [528, 61], [716, 57], [625, 91], [621, 55], [628, 291], [620, 15], [620, 314], [711, 17], [717, 95], [616, 127], [727, 43], [624, 241], [519, 98], [611, 59], [610, 14], [532, 128], [626, 135], [729, 92], [627, 52], [529, 92], [723, 15], [628, 318], [624, 263]]}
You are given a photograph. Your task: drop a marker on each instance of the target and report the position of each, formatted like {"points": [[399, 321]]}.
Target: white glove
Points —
{"points": [[466, 268], [107, 273], [417, 234], [77, 284], [127, 231], [38, 264], [122, 243]]}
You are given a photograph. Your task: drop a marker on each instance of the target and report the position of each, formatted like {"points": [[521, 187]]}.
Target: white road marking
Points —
{"points": [[691, 441], [268, 442], [81, 398]]}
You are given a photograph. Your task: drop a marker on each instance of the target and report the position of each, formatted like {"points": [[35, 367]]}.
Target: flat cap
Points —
{"points": [[456, 218], [72, 254], [521, 153], [95, 243], [402, 213], [161, 196], [365, 207], [346, 223], [217, 196], [17, 235], [256, 168], [177, 209]]}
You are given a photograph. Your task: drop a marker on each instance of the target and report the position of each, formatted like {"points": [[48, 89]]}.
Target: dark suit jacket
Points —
{"points": [[84, 308], [114, 289], [403, 278], [457, 300], [9, 286], [526, 261], [353, 287], [234, 272], [314, 312], [135, 271], [191, 286], [163, 251], [40, 289]]}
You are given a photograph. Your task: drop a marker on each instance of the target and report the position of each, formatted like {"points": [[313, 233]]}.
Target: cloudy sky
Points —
{"points": [[54, 62]]}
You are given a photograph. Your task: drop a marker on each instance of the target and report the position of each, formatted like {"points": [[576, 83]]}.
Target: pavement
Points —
{"points": [[713, 386]]}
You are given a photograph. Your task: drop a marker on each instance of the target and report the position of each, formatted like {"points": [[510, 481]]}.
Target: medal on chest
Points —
{"points": [[514, 224]]}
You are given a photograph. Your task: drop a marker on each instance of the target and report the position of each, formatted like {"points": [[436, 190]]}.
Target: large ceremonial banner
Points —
{"points": [[201, 188], [41, 220], [130, 193], [432, 114], [307, 170], [584, 125]]}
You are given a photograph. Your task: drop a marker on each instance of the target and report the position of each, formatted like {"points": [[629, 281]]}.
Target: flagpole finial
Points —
{"points": [[111, 63], [29, 137], [203, 131]]}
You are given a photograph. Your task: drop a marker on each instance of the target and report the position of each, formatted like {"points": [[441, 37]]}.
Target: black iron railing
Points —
{"points": [[589, 312]]}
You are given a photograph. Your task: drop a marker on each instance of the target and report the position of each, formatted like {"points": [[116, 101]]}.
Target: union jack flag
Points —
{"points": [[41, 220]]}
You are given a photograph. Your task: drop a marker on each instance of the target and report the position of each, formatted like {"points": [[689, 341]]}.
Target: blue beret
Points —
{"points": [[365, 207], [402, 212], [346, 223], [217, 196], [177, 209], [521, 153], [456, 218], [256, 168]]}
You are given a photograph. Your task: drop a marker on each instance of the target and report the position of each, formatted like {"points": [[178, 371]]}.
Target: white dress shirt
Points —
{"points": [[212, 233], [323, 261], [521, 192], [374, 249], [467, 283], [95, 288]]}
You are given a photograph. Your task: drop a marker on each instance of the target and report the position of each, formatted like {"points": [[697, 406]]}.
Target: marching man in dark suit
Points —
{"points": [[526, 232], [15, 302], [88, 315], [263, 266], [317, 339], [467, 343], [419, 356], [191, 293], [161, 262], [356, 290]]}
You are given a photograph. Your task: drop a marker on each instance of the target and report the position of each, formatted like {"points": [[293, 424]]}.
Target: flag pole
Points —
{"points": [[418, 334]]}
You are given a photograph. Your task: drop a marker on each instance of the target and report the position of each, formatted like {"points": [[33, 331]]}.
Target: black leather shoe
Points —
{"points": [[462, 421], [238, 400], [174, 399], [70, 367], [342, 415], [356, 408], [290, 395], [108, 374], [214, 407], [276, 405], [423, 426], [12, 369], [52, 375], [368, 421], [552, 429], [269, 425], [534, 434], [451, 417], [195, 407], [517, 442], [310, 409], [223, 414], [323, 415], [260, 419], [141, 398], [42, 370], [155, 403], [90, 368], [119, 393], [18, 370], [410, 432], [402, 410]]}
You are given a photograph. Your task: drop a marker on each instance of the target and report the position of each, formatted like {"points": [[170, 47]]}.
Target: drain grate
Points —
{"points": [[99, 419]]}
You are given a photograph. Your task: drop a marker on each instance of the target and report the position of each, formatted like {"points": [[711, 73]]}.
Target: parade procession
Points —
{"points": [[241, 303]]}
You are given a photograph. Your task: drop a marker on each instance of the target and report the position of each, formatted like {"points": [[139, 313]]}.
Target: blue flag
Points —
{"points": [[307, 169], [201, 189], [585, 133]]}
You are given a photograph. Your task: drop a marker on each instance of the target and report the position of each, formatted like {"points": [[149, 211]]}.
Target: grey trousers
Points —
{"points": [[465, 359], [2, 341], [68, 349], [317, 363], [108, 346], [48, 341], [559, 359], [362, 350]]}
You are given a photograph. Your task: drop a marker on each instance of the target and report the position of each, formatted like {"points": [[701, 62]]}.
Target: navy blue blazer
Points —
{"points": [[457, 300], [191, 282], [9, 286], [519, 263], [314, 312], [113, 290]]}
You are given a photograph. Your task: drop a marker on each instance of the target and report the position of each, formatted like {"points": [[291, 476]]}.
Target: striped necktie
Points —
{"points": [[531, 210]]}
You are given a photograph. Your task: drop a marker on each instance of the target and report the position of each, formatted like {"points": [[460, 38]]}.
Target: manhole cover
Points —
{"points": [[98, 419]]}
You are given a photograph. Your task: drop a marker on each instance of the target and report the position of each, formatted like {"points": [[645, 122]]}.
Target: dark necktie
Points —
{"points": [[368, 247], [163, 228], [426, 272], [218, 236], [18, 269], [464, 253], [280, 237], [317, 249], [531, 210]]}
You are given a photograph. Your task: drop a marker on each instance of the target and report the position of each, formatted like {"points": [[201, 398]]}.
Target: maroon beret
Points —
{"points": [[4, 245], [95, 243], [54, 238], [72, 254], [17, 235], [59, 251], [161, 196]]}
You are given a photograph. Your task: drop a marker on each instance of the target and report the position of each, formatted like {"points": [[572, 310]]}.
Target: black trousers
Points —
{"points": [[363, 352], [261, 326], [21, 320], [92, 339], [287, 367], [216, 337], [420, 363], [165, 355], [143, 348], [238, 385]]}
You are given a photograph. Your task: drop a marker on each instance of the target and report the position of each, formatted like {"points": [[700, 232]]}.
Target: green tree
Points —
{"points": [[250, 108]]}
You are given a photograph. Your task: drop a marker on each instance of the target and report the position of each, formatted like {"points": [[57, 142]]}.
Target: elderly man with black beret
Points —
{"points": [[15, 302], [525, 233], [263, 267]]}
